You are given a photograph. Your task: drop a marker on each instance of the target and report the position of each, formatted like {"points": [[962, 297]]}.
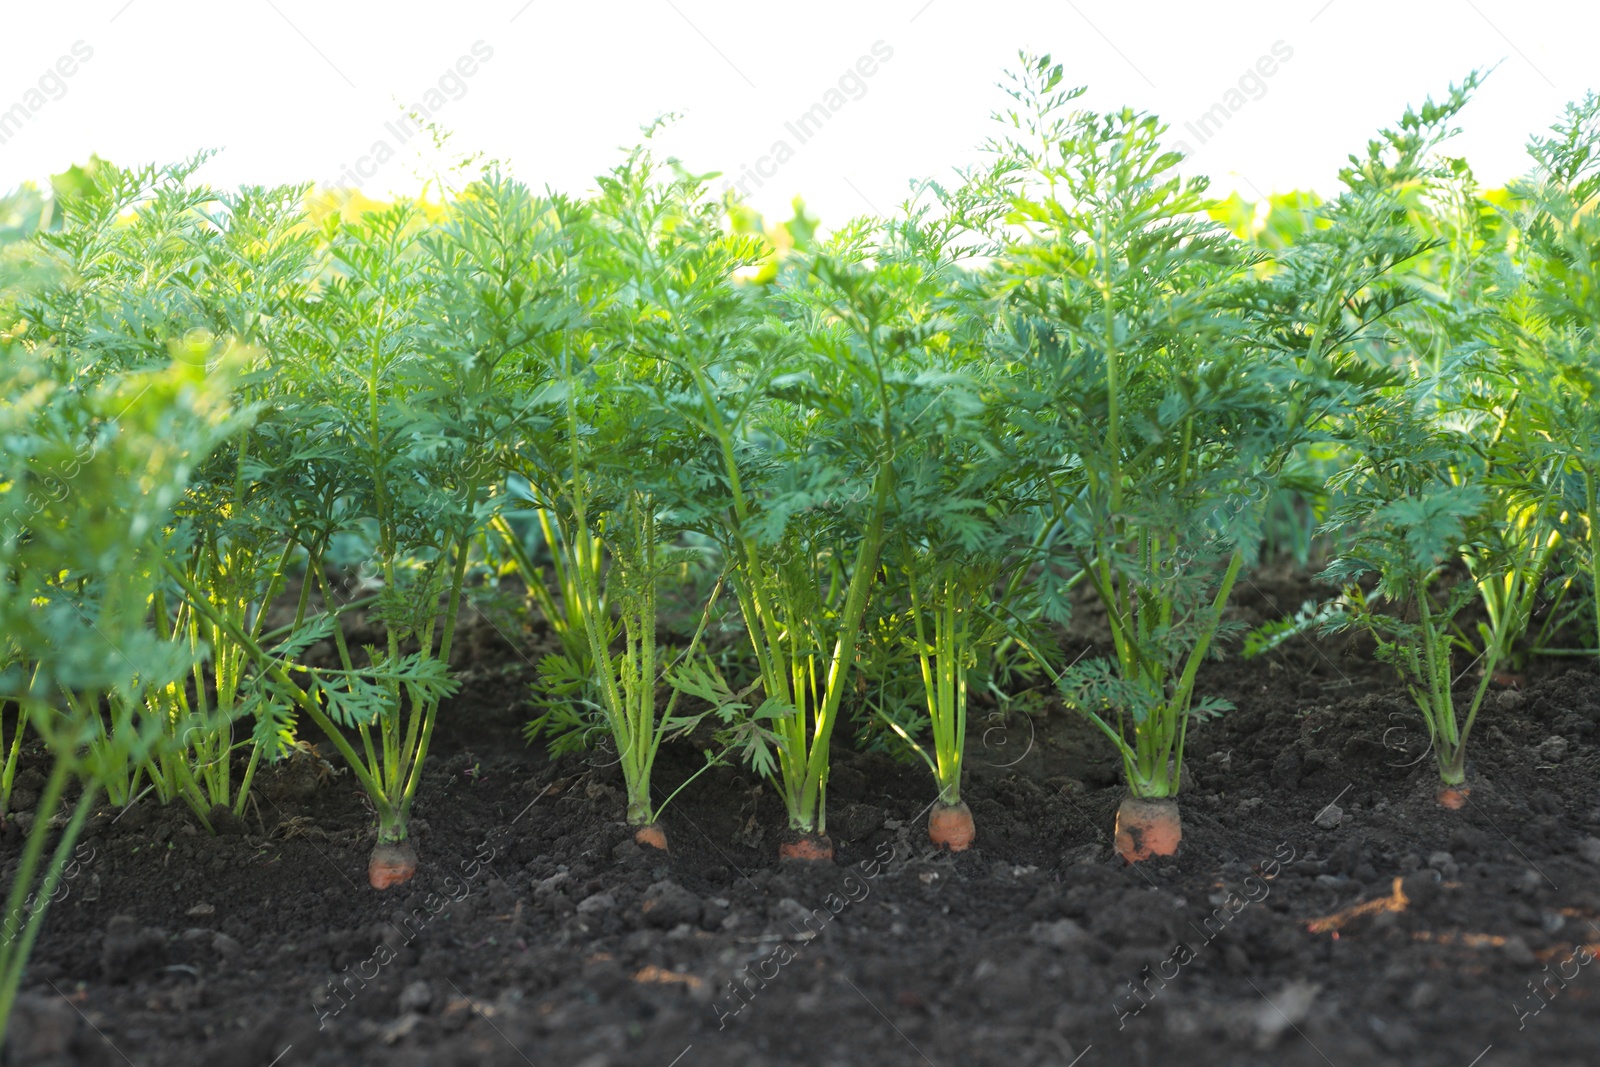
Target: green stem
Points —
{"points": [[14, 753], [431, 711], [1198, 654], [1592, 513], [244, 783], [301, 698], [14, 953], [813, 812]]}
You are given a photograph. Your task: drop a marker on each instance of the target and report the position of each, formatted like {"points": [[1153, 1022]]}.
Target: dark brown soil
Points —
{"points": [[537, 932]]}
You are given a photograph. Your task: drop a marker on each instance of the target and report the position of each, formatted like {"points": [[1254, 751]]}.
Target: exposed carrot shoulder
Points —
{"points": [[1148, 827], [1453, 797], [392, 863], [808, 847], [950, 826], [651, 835]]}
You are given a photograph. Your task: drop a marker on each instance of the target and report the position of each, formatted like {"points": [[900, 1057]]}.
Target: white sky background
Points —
{"points": [[295, 90]]}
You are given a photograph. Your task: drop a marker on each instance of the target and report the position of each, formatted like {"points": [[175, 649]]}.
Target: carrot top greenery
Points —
{"points": [[769, 487]]}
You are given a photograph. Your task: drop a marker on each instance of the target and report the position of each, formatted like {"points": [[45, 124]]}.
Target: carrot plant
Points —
{"points": [[1144, 406], [1550, 325], [1408, 522], [86, 472], [421, 331], [1451, 472], [608, 473], [1173, 375], [957, 550], [151, 266], [1447, 339], [399, 359], [235, 540], [794, 391], [954, 555]]}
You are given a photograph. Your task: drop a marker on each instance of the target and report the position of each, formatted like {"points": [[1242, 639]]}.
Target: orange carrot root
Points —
{"points": [[392, 863], [1453, 797], [950, 826], [811, 848], [1148, 827], [651, 835]]}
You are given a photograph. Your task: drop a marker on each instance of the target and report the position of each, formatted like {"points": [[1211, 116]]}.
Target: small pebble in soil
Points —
{"points": [[1517, 951], [1589, 849], [666, 904], [128, 949], [1329, 817], [417, 996], [1394, 1035], [1063, 934], [597, 904], [549, 885], [42, 1029], [1423, 996]]}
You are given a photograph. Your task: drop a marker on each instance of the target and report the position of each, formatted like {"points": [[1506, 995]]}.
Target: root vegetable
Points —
{"points": [[392, 863], [651, 835], [1148, 827], [950, 826], [810, 848]]}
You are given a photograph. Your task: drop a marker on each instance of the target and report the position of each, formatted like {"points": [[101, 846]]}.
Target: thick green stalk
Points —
{"points": [[13, 754], [21, 931], [301, 698], [1197, 655], [953, 697], [758, 615], [1592, 514], [431, 710], [943, 668], [813, 814], [1439, 709]]}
